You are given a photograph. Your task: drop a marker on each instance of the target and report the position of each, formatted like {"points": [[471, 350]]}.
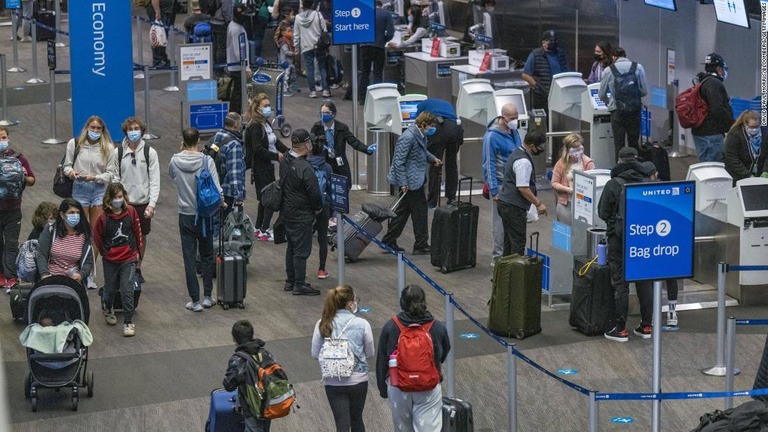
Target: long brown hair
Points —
{"points": [[112, 190], [337, 298], [253, 109], [743, 118]]}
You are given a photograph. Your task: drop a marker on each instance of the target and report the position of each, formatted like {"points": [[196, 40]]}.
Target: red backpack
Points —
{"points": [[690, 107], [416, 370]]}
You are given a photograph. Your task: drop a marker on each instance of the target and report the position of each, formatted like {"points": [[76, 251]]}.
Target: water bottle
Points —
{"points": [[602, 253], [393, 369], [72, 272]]}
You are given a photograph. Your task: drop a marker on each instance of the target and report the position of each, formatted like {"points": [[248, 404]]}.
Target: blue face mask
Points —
{"points": [[266, 112], [3, 146], [73, 219], [94, 136], [134, 135], [430, 131], [326, 118]]}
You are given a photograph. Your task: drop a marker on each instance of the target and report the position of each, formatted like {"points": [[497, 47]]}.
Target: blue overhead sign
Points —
{"points": [[354, 22], [12, 4], [658, 230]]}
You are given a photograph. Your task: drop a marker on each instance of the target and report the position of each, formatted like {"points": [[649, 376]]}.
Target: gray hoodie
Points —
{"points": [[306, 30], [183, 169]]}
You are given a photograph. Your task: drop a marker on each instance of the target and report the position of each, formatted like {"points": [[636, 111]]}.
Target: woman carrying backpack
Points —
{"points": [[415, 397], [323, 172], [346, 381]]}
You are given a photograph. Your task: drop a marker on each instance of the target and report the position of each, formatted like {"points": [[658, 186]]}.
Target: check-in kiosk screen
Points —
{"points": [[408, 111], [516, 99], [755, 197]]}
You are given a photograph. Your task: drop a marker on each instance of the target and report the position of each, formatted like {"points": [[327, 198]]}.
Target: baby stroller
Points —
{"points": [[59, 299]]}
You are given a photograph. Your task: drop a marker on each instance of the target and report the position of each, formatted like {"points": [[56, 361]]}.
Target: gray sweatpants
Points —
{"points": [[119, 277], [416, 411], [497, 231]]}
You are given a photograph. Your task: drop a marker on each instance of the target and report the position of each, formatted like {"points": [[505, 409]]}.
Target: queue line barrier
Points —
{"points": [[513, 353]]}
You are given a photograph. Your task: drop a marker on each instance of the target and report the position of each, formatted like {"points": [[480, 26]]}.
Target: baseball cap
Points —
{"points": [[648, 169], [714, 59], [549, 35], [627, 154], [299, 136]]}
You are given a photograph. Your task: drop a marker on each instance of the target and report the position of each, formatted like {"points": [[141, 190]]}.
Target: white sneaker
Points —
{"points": [[313, 94], [129, 330], [256, 233], [26, 39], [269, 234], [90, 283], [194, 306], [208, 302], [326, 93], [672, 318]]}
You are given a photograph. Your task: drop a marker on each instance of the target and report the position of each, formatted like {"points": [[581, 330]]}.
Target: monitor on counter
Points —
{"points": [[408, 110], [663, 4], [732, 12], [755, 197]]}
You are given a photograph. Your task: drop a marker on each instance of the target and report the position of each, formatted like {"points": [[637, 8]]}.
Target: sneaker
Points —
{"points": [[10, 283], [326, 93], [333, 86], [8, 291], [672, 318], [617, 335], [139, 276], [109, 317], [256, 233], [129, 330], [26, 39], [306, 290], [90, 283], [195, 306], [288, 286], [422, 251], [322, 274], [644, 331], [313, 94], [208, 302], [269, 234]]}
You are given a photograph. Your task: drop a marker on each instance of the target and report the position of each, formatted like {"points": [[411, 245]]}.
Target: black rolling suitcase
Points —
{"points": [[454, 234], [18, 300], [355, 242], [47, 18], [515, 306], [231, 276], [457, 416], [225, 414], [117, 305], [592, 300]]}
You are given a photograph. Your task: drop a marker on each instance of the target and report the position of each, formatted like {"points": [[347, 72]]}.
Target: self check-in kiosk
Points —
{"points": [[382, 120], [564, 109], [748, 240], [408, 107], [475, 108], [597, 132]]}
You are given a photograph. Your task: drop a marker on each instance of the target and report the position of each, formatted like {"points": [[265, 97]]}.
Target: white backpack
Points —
{"points": [[336, 357]]}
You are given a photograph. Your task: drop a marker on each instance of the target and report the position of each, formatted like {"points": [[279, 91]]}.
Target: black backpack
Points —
{"points": [[626, 90], [120, 158]]}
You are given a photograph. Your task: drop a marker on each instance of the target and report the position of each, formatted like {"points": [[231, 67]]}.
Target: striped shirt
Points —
{"points": [[65, 254]]}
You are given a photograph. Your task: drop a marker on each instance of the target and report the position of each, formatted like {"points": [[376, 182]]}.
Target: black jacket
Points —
{"points": [[738, 156], [388, 342], [609, 201], [258, 157], [720, 116], [301, 191], [341, 137], [234, 378]]}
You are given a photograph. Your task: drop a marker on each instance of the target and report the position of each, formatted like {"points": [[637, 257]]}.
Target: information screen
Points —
{"points": [[408, 110], [732, 12], [755, 197], [663, 4]]}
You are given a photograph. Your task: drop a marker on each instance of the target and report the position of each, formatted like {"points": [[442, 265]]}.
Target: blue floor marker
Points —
{"points": [[623, 420], [567, 371], [670, 328], [469, 336], [364, 310]]}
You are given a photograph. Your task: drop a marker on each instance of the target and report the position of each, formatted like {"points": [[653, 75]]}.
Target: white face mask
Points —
{"points": [[353, 308], [576, 153], [753, 131], [512, 124]]}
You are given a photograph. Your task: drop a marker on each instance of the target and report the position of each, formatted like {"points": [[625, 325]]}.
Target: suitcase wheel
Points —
{"points": [[519, 334], [225, 306], [241, 305], [443, 270]]}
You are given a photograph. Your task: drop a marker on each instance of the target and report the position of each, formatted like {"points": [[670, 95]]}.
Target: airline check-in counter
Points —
{"points": [[381, 114], [596, 130], [564, 110], [429, 75]]}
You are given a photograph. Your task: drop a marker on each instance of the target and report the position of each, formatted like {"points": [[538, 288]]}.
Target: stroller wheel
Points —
{"points": [[34, 401], [74, 403], [286, 130], [89, 384], [27, 385]]}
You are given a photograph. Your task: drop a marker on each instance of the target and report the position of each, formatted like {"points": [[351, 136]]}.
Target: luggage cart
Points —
{"points": [[269, 78]]}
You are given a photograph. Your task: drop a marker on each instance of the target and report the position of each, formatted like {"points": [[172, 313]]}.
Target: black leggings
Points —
{"points": [[263, 218], [321, 226], [347, 404]]}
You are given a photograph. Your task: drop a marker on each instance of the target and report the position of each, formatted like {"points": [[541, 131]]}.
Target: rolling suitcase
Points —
{"points": [[117, 305], [515, 305], [18, 300], [224, 414], [454, 234], [354, 242], [592, 300], [47, 18], [457, 416], [231, 276]]}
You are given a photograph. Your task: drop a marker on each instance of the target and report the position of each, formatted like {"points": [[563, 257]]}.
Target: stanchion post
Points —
{"points": [[730, 360], [57, 11], [172, 87], [148, 135], [4, 82], [140, 43], [53, 140], [719, 368], [656, 335], [593, 412], [14, 24], [340, 237], [243, 86], [355, 159], [450, 362], [35, 79], [400, 277], [511, 389]]}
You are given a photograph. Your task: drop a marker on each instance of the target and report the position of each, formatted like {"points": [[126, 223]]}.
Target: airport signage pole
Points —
{"points": [[764, 63], [658, 240]]}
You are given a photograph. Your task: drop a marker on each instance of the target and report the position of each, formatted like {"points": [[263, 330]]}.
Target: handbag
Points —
{"points": [[62, 185], [324, 41]]}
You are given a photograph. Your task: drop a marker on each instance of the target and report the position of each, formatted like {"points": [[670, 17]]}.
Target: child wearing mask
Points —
{"points": [[286, 50]]}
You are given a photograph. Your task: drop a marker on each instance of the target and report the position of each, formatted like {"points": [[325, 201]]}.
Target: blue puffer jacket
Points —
{"points": [[410, 160]]}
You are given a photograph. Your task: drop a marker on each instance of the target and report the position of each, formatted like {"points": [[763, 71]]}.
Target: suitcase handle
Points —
{"points": [[534, 234], [396, 203], [458, 192]]}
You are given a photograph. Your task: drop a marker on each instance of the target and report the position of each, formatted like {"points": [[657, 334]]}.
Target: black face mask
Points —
{"points": [[598, 57], [552, 46]]}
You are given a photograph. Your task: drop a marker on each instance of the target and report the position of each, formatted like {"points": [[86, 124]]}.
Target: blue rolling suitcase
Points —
{"points": [[225, 415]]}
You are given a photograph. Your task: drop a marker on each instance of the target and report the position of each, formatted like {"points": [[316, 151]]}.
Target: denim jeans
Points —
{"points": [[192, 242], [347, 404], [709, 148], [309, 62]]}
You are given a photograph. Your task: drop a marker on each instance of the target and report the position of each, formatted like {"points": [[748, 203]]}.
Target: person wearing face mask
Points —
{"points": [[746, 148], [417, 29], [603, 60], [572, 159], [709, 136], [346, 395], [518, 192], [138, 169], [263, 151], [91, 161], [45, 214], [408, 174], [10, 207], [301, 202], [117, 237], [337, 135], [500, 140], [64, 247], [542, 64], [236, 36]]}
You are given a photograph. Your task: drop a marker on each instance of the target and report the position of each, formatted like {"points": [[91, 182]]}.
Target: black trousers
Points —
{"points": [[299, 235], [321, 226], [371, 60], [10, 228], [236, 95], [621, 287], [347, 404], [219, 37], [159, 54], [448, 153], [414, 204], [515, 221], [625, 126]]}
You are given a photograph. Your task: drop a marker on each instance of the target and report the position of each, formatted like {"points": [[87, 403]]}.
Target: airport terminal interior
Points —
{"points": [[161, 379]]}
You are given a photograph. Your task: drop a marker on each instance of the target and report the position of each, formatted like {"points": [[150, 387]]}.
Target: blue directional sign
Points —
{"points": [[469, 336], [354, 22], [208, 116], [339, 193], [658, 230], [12, 4]]}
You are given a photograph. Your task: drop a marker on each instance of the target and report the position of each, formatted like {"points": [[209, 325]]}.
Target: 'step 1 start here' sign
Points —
{"points": [[353, 22], [658, 230]]}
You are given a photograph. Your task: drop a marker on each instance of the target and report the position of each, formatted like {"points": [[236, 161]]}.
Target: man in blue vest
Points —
{"points": [[541, 65]]}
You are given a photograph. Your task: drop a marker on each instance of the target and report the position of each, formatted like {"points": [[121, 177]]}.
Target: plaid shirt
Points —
{"points": [[232, 165]]}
